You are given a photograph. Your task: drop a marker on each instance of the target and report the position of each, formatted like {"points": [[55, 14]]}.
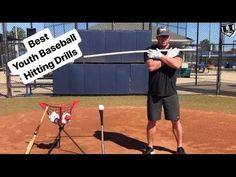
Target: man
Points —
{"points": [[162, 68]]}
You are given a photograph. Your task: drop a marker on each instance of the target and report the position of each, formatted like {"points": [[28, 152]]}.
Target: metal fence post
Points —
{"points": [[197, 51], [219, 63], [8, 81]]}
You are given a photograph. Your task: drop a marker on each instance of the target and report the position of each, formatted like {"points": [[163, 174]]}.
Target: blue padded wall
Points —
{"points": [[113, 44], [143, 39], [100, 79], [76, 79], [91, 82], [139, 78], [95, 41], [122, 78], [106, 41], [107, 78], [128, 42], [117, 74], [60, 80]]}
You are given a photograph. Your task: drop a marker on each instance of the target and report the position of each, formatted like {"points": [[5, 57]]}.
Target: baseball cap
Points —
{"points": [[163, 31]]}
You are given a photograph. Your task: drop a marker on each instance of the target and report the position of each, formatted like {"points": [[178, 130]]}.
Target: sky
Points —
{"points": [[208, 31]]}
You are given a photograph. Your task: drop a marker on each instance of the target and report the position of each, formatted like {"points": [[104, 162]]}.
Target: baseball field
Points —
{"points": [[209, 126]]}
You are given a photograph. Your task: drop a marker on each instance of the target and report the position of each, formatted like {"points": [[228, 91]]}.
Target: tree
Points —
{"points": [[17, 38], [205, 45], [20, 33]]}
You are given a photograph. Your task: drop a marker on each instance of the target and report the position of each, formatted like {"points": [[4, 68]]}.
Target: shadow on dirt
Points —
{"points": [[128, 142]]}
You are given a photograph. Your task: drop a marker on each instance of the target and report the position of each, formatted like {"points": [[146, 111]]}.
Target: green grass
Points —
{"points": [[209, 103], [196, 102]]}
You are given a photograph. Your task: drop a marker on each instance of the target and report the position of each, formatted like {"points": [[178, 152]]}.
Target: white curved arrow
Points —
{"points": [[130, 52]]}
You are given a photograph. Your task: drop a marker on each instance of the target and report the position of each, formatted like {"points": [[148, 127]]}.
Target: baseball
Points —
{"points": [[101, 107]]}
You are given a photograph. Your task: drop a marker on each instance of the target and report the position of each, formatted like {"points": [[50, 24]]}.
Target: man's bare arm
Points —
{"points": [[153, 65]]}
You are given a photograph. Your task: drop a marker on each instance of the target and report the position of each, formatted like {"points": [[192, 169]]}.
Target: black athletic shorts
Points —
{"points": [[170, 106]]}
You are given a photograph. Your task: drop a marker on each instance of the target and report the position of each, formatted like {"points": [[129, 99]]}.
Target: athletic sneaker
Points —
{"points": [[180, 150], [149, 150]]}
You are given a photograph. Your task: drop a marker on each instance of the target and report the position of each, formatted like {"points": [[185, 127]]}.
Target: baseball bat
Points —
{"points": [[31, 143], [101, 109], [130, 52]]}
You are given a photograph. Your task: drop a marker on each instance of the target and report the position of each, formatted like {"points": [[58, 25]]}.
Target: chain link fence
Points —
{"points": [[11, 47], [204, 37]]}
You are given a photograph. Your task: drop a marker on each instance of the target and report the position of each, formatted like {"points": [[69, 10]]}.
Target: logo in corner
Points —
{"points": [[228, 29]]}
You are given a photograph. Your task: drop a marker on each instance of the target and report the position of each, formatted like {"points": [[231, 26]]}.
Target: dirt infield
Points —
{"points": [[124, 132]]}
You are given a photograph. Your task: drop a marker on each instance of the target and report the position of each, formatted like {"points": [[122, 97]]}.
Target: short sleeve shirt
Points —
{"points": [[162, 82]]}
